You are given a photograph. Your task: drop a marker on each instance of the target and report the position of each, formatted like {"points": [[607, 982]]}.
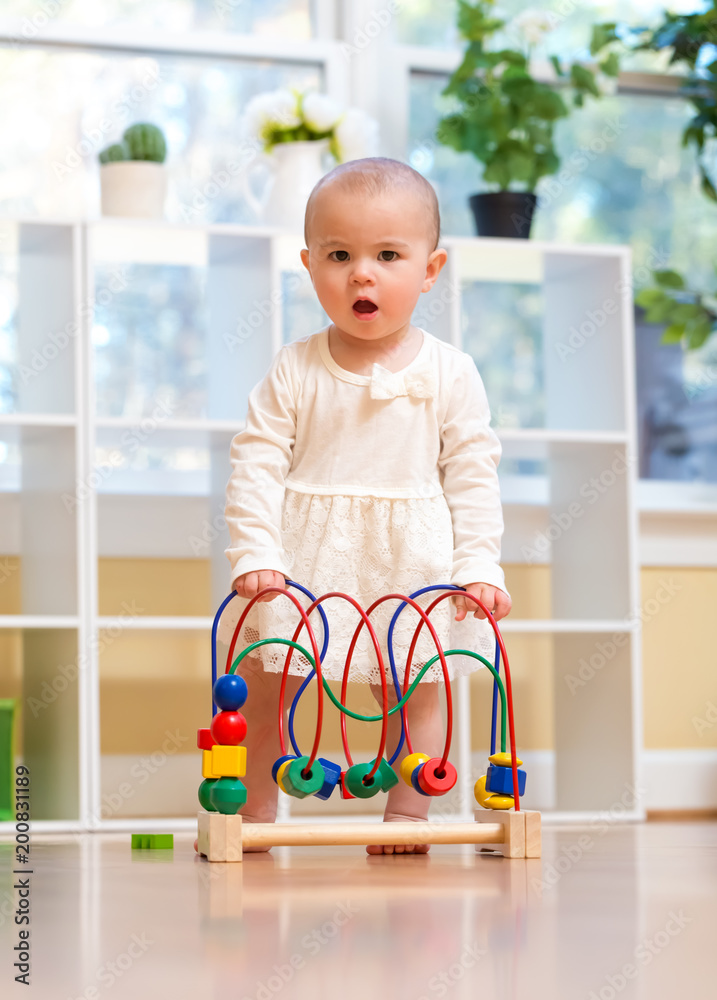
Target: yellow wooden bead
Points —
{"points": [[207, 765], [224, 762], [489, 800], [504, 760], [280, 774], [410, 763]]}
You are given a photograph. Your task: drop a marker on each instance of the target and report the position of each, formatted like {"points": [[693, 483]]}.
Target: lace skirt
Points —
{"points": [[365, 547]]}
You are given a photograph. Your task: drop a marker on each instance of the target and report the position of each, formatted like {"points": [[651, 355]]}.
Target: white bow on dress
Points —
{"points": [[419, 382]]}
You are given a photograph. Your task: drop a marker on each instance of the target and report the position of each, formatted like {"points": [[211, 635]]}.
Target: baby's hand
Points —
{"points": [[250, 584], [497, 602]]}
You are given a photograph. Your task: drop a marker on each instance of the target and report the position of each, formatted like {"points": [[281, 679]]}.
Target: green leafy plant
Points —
{"points": [[505, 117], [690, 39], [141, 141], [691, 317]]}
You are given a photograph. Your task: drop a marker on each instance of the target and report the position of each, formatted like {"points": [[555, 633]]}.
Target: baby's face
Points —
{"points": [[370, 259]]}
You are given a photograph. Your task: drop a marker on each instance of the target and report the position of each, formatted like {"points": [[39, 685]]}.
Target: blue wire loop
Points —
{"points": [[215, 626], [494, 715], [324, 647]]}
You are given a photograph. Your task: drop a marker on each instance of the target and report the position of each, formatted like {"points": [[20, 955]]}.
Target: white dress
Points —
{"points": [[366, 485]]}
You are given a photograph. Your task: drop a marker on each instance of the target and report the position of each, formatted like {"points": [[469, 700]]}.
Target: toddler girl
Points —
{"points": [[368, 466]]}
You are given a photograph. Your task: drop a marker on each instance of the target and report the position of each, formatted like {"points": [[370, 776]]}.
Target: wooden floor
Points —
{"points": [[628, 911]]}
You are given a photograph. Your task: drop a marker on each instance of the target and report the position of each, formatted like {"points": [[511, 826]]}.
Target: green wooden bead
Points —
{"points": [[203, 794], [294, 783], [389, 778], [227, 795], [355, 784]]}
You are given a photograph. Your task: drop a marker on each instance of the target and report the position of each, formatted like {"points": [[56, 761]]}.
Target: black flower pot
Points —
{"points": [[504, 213]]}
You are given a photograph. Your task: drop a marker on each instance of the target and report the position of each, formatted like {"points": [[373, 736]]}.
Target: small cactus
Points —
{"points": [[145, 142], [115, 153]]}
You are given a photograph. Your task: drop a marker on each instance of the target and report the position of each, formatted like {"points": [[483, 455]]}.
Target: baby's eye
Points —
{"points": [[395, 255], [340, 259]]}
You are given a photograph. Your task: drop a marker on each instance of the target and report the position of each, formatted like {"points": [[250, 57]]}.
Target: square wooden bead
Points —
{"points": [[224, 762]]}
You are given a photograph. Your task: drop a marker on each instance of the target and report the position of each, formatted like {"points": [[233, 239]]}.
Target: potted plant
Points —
{"points": [[296, 131], [133, 178], [690, 317], [505, 117]]}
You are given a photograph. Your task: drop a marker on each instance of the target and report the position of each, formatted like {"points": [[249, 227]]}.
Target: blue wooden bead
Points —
{"points": [[279, 761], [414, 779], [230, 692], [500, 780], [332, 776]]}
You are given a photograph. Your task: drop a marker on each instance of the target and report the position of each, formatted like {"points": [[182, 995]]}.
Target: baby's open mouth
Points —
{"points": [[365, 306]]}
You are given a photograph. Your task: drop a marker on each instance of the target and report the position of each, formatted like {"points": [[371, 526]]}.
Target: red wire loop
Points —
{"points": [[365, 621], [508, 682], [282, 692], [449, 701], [344, 683]]}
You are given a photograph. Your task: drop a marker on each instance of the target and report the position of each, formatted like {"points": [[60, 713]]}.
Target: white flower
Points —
{"points": [[607, 84], [320, 112], [532, 24], [356, 135], [276, 109]]}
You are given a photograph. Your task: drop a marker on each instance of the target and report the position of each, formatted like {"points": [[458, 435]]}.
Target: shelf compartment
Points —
{"points": [[45, 665], [155, 692], [40, 264], [39, 502]]}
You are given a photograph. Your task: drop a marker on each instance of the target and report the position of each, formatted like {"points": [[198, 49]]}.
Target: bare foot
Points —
{"points": [[399, 848]]}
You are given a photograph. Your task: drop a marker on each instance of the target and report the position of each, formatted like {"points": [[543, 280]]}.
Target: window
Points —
{"points": [[284, 18], [625, 178], [81, 101]]}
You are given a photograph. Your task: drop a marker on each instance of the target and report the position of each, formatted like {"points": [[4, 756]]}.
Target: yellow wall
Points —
{"points": [[680, 657], [154, 683]]}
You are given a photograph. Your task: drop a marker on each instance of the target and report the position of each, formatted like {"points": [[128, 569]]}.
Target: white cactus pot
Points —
{"points": [[135, 188]]}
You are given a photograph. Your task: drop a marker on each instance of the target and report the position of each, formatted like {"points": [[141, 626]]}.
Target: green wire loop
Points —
{"points": [[396, 708]]}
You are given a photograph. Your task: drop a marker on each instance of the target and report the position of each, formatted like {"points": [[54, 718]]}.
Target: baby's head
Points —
{"points": [[372, 228], [379, 176]]}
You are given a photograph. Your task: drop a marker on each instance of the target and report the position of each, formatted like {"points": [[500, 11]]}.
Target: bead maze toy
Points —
{"points": [[500, 822]]}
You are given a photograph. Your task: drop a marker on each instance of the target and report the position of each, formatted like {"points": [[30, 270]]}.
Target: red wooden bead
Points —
{"points": [[205, 740], [229, 728], [345, 793], [431, 783]]}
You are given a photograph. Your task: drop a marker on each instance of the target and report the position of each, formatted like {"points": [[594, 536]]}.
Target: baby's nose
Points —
{"points": [[363, 270]]}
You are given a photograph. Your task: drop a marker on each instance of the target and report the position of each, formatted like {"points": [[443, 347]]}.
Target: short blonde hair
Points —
{"points": [[375, 175]]}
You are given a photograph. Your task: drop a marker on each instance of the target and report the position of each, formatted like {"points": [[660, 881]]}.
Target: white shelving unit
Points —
{"points": [[582, 506]]}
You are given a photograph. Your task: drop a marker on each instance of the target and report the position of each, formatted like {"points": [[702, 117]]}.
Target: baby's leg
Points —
{"points": [[262, 738], [426, 729]]}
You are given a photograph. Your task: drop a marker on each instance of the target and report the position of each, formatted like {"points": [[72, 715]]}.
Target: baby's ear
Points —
{"points": [[433, 268], [305, 259]]}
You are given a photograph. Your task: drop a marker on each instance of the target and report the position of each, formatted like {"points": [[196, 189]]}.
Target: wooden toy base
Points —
{"points": [[512, 834]]}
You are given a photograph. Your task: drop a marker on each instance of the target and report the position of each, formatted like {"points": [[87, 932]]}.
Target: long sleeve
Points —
{"points": [[468, 466], [261, 457]]}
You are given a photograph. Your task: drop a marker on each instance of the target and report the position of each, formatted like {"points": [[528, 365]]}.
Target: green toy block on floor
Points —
{"points": [[7, 751], [152, 841]]}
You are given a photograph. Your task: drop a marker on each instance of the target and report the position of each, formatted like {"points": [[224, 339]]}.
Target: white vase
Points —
{"points": [[135, 188], [291, 171]]}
